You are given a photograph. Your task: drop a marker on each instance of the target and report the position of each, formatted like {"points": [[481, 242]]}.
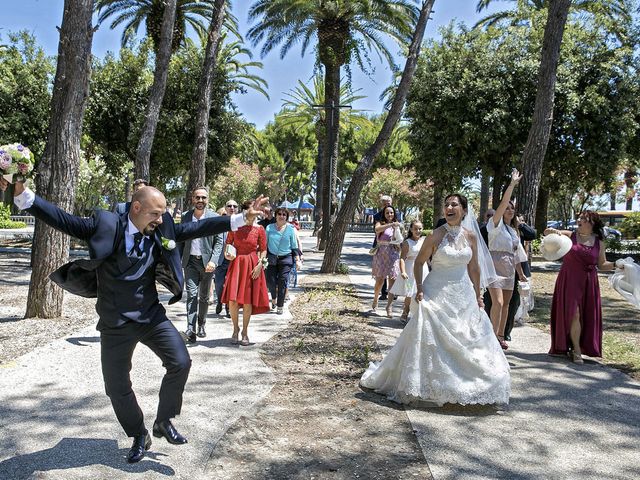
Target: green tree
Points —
{"points": [[346, 30], [25, 92]]}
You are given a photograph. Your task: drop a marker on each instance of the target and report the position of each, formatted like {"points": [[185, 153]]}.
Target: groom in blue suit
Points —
{"points": [[128, 253]]}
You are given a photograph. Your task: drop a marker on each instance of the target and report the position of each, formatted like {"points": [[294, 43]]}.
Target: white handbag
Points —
{"points": [[397, 238]]}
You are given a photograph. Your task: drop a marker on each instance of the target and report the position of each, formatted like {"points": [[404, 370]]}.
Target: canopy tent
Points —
{"points": [[294, 206]]}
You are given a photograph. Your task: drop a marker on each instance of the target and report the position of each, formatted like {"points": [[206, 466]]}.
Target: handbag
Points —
{"points": [[373, 250], [230, 250], [397, 238]]}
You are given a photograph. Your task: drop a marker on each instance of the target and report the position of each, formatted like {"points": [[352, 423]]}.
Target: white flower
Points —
{"points": [[168, 244]]}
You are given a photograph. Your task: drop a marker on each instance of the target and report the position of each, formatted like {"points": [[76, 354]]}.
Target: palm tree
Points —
{"points": [[132, 13], [238, 72], [345, 31], [301, 111], [616, 11], [361, 174]]}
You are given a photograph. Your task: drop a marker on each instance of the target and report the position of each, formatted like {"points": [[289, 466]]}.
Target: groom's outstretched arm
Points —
{"points": [[52, 215]]}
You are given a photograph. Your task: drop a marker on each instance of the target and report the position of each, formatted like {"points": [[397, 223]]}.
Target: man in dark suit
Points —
{"points": [[200, 258], [127, 254], [123, 207]]}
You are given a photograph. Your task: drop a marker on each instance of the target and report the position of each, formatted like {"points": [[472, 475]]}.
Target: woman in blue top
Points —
{"points": [[282, 248]]}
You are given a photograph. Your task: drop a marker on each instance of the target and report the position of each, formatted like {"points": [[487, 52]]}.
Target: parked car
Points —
{"points": [[611, 233], [572, 225], [554, 224]]}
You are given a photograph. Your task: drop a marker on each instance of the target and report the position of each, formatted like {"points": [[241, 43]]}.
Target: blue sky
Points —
{"points": [[41, 17]]}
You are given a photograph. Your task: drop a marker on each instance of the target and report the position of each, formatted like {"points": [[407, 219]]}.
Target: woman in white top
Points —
{"points": [[409, 251], [504, 244]]}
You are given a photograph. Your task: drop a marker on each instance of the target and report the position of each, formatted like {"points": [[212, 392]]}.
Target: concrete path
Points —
{"points": [[57, 422], [564, 421]]}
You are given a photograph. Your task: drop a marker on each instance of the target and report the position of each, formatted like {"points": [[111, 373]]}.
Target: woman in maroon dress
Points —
{"points": [[576, 313], [245, 285]]}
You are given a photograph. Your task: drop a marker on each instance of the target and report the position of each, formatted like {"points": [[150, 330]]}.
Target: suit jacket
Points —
{"points": [[104, 231], [210, 246]]}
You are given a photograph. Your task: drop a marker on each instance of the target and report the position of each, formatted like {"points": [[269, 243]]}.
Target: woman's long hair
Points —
{"points": [[515, 222], [594, 219], [383, 220]]}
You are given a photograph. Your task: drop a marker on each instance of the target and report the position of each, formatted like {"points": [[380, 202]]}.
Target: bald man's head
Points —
{"points": [[147, 206]]}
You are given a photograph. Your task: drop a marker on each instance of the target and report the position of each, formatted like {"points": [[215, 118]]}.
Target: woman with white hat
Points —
{"points": [[576, 312]]}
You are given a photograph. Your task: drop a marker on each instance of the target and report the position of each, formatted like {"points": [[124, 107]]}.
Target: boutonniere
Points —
{"points": [[167, 243]]}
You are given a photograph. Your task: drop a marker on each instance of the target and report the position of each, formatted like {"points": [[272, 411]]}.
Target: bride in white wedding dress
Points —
{"points": [[448, 352]]}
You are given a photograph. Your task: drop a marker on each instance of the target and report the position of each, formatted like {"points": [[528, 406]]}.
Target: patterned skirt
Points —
{"points": [[386, 262]]}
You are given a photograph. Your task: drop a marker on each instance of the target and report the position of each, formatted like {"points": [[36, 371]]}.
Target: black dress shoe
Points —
{"points": [[189, 336], [141, 443], [218, 308], [167, 430], [201, 333]]}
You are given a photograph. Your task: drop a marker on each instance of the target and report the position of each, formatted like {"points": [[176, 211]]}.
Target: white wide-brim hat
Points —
{"points": [[554, 246]]}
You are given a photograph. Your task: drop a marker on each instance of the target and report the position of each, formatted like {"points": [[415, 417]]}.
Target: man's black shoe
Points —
{"points": [[226, 310], [141, 443], [167, 430], [201, 333], [218, 308], [189, 336], [383, 297]]}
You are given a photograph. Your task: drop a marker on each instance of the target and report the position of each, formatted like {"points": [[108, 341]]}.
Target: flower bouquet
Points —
{"points": [[16, 162]]}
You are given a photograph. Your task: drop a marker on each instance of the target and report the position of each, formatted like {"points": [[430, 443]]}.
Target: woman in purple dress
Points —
{"points": [[386, 260], [576, 313]]}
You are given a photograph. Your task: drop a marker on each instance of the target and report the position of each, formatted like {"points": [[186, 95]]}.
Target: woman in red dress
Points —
{"points": [[245, 285], [576, 312]]}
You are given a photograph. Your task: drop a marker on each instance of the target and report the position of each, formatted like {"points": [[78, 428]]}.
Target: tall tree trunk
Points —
{"points": [[543, 208], [330, 157], [630, 179], [197, 173], [496, 187], [317, 209], [612, 199], [438, 200], [58, 169], [163, 57], [485, 183], [538, 140], [361, 174]]}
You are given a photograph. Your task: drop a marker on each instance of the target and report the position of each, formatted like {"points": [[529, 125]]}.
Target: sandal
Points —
{"points": [[503, 344], [576, 357], [234, 338], [245, 341]]}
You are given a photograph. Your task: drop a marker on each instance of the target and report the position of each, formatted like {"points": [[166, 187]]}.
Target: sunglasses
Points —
{"points": [[232, 206], [198, 197], [282, 214]]}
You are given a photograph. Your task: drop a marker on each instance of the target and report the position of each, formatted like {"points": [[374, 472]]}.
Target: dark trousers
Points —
{"points": [[197, 284], [514, 304], [117, 346], [278, 278], [219, 274]]}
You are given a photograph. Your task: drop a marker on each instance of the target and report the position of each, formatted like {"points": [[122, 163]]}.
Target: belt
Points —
{"points": [[199, 257]]}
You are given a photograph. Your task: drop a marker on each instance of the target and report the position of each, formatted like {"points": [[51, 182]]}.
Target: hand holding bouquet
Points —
{"points": [[16, 162]]}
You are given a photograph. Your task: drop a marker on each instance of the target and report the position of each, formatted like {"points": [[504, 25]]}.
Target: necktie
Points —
{"points": [[136, 250]]}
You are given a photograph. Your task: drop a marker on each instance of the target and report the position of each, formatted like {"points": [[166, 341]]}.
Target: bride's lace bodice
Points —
{"points": [[452, 255]]}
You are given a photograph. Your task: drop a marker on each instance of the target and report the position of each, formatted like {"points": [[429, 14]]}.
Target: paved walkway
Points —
{"points": [[57, 422], [564, 421]]}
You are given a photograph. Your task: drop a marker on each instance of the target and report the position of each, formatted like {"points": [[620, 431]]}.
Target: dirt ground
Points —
{"points": [[19, 335], [316, 423]]}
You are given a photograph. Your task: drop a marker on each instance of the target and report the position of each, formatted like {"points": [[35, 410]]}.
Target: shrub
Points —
{"points": [[5, 218], [630, 227]]}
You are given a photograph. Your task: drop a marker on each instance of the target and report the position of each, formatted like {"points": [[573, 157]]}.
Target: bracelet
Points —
{"points": [[265, 262]]}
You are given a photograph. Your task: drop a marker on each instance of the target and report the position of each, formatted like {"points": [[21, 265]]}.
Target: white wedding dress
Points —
{"points": [[447, 353]]}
